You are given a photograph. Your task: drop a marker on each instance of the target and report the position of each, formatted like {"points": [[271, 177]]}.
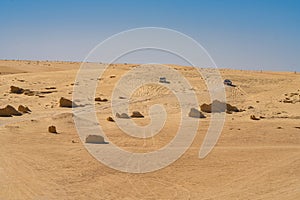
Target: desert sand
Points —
{"points": [[253, 159]]}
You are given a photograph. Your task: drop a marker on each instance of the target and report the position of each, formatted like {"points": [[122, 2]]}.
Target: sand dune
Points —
{"points": [[253, 159]]}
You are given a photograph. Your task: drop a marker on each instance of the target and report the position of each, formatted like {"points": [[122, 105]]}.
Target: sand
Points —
{"points": [[253, 159]]}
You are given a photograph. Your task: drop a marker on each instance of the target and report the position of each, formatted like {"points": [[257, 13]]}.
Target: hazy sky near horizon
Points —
{"points": [[241, 34]]}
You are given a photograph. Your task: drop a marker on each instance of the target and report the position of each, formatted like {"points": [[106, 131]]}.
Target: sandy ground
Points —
{"points": [[252, 159]]}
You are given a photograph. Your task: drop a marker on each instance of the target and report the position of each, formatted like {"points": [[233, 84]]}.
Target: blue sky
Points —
{"points": [[241, 34]]}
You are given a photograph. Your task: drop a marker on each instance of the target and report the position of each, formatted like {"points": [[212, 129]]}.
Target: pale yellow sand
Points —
{"points": [[252, 159]]}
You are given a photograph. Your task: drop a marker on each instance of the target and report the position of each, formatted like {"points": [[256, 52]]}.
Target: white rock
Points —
{"points": [[96, 139], [195, 113], [123, 115]]}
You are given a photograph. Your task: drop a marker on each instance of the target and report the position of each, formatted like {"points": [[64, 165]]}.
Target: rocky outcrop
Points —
{"points": [[293, 97], [16, 90], [9, 111], [217, 106], [136, 114]]}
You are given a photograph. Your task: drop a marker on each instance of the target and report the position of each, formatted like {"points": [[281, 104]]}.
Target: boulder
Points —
{"points": [[23, 109], [137, 114], [63, 102], [52, 129], [95, 139], [16, 90], [123, 116], [9, 111], [195, 113]]}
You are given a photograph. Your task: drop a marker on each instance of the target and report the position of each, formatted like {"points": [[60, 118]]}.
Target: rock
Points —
{"points": [[23, 109], [63, 102], [294, 94], [112, 76], [287, 101], [137, 114], [16, 90], [9, 111], [217, 106], [205, 108], [296, 101], [110, 119], [46, 92], [250, 107], [195, 113], [95, 139], [232, 108], [253, 117], [50, 88], [101, 100], [29, 92], [123, 116], [293, 98], [52, 129], [163, 80]]}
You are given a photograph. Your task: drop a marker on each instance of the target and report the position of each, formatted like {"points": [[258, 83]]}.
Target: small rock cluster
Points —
{"points": [[293, 97], [100, 100], [10, 111]]}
